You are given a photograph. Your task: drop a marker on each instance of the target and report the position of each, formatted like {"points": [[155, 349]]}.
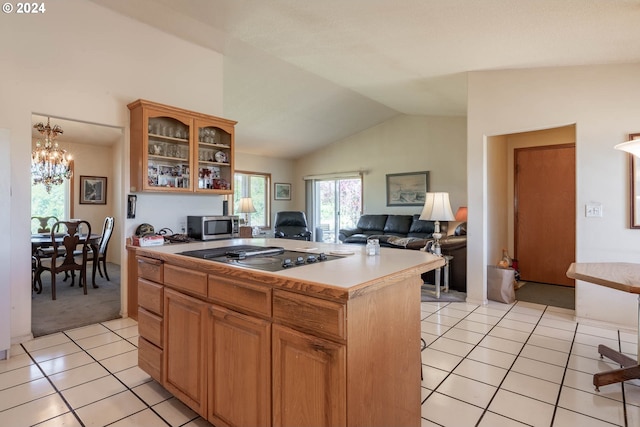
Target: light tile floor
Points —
{"points": [[520, 364], [494, 365]]}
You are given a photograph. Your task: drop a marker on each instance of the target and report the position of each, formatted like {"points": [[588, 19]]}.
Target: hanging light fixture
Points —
{"points": [[49, 163]]}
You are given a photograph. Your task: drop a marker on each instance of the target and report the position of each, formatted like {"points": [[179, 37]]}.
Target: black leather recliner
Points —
{"points": [[291, 225]]}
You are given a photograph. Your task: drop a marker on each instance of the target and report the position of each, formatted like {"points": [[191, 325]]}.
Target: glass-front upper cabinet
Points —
{"points": [[213, 158], [175, 150], [168, 153]]}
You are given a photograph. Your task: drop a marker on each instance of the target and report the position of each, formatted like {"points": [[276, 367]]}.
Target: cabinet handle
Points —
{"points": [[149, 260], [318, 347]]}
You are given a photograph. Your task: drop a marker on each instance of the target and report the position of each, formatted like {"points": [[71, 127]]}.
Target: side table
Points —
{"points": [[438, 274]]}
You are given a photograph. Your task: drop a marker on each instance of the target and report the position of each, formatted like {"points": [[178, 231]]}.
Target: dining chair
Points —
{"points": [[42, 224], [36, 283], [69, 253], [107, 231]]}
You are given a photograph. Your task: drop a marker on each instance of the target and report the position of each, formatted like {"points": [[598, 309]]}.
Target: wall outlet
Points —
{"points": [[593, 210]]}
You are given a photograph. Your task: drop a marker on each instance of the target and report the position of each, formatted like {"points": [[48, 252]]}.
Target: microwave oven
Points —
{"points": [[212, 227]]}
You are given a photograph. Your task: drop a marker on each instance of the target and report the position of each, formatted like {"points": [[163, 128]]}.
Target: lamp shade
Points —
{"points": [[632, 147], [437, 208], [245, 205], [461, 213]]}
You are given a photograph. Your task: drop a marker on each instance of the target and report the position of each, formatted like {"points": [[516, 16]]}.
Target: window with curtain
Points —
{"points": [[255, 185], [334, 201]]}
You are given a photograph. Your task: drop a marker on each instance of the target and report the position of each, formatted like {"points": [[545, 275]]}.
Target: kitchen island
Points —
{"points": [[334, 343]]}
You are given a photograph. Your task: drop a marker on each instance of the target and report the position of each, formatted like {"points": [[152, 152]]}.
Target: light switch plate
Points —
{"points": [[593, 210]]}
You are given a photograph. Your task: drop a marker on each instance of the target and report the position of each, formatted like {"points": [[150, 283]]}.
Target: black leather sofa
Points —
{"points": [[410, 232]]}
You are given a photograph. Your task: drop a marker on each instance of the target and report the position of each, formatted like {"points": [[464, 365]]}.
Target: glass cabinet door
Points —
{"points": [[168, 154], [213, 159]]}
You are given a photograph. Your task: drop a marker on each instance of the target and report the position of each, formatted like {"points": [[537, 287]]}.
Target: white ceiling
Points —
{"points": [[301, 74]]}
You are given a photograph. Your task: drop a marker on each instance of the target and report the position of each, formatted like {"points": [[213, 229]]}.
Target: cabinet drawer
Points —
{"points": [[320, 317], [150, 327], [150, 296], [181, 278], [150, 359], [242, 296], [150, 269]]}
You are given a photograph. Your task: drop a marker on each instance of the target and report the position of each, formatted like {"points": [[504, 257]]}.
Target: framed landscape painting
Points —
{"points": [[407, 189], [93, 190], [282, 191]]}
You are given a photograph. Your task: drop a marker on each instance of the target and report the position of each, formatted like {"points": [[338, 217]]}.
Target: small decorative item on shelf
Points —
{"points": [[221, 184], [221, 157]]}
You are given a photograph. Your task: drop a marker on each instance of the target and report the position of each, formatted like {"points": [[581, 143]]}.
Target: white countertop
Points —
{"points": [[352, 270]]}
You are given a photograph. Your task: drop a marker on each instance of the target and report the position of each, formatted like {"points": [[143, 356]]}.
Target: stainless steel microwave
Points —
{"points": [[212, 227]]}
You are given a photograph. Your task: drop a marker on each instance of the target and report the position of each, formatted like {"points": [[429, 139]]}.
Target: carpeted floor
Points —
{"points": [[72, 308], [429, 294], [543, 293]]}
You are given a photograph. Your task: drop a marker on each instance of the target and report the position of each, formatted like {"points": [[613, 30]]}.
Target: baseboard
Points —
{"points": [[21, 338]]}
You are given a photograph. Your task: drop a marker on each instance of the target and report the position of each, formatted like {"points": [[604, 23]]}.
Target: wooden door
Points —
{"points": [[545, 213], [184, 349], [309, 380], [239, 370]]}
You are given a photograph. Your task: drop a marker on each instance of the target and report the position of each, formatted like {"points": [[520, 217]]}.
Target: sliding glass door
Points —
{"points": [[337, 204]]}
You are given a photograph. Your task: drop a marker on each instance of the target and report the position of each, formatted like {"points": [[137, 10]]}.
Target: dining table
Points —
{"points": [[44, 240], [623, 277]]}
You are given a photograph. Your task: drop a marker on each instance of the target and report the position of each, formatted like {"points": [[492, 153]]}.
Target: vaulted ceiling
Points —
{"points": [[302, 74]]}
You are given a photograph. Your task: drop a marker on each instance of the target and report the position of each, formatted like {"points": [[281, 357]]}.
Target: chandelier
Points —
{"points": [[49, 163]]}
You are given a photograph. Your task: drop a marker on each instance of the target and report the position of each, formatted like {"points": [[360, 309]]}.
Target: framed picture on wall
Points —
{"points": [[407, 189], [282, 191], [93, 190]]}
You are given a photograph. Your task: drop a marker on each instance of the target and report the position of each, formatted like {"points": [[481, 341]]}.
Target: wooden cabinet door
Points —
{"points": [[309, 380], [239, 367], [184, 349]]}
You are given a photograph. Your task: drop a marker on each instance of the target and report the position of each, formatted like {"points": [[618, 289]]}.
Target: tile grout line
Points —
{"points": [[55, 388], [498, 388], [564, 374], [624, 398], [118, 379], [464, 357], [509, 370]]}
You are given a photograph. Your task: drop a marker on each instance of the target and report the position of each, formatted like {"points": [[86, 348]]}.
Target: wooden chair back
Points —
{"points": [[42, 224], [107, 231], [75, 240]]}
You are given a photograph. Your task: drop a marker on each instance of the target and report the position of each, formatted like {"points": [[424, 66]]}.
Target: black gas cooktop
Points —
{"points": [[268, 258]]}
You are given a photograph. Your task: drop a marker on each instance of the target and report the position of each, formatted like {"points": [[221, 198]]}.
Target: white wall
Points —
{"points": [[497, 196], [402, 144], [5, 245], [84, 62], [601, 101]]}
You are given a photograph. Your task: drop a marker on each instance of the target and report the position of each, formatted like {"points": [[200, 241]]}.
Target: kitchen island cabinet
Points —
{"points": [[185, 334], [334, 343]]}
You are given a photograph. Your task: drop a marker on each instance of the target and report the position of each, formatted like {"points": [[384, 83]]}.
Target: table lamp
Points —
{"points": [[461, 214], [245, 206], [437, 208]]}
